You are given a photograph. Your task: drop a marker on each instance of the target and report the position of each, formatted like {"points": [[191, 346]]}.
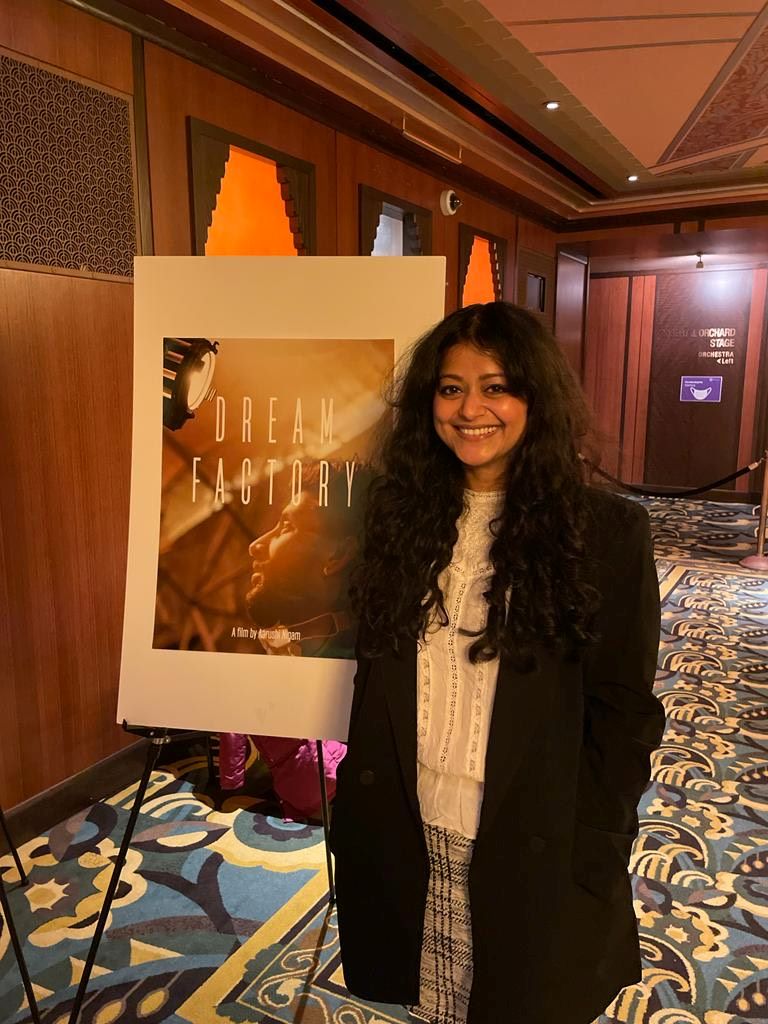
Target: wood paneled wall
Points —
{"points": [[617, 372], [65, 421], [638, 373], [57, 34], [604, 361], [176, 88], [358, 164], [65, 407], [66, 404], [570, 309], [754, 371]]}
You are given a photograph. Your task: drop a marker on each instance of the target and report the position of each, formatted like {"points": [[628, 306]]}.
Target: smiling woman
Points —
{"points": [[503, 718]]}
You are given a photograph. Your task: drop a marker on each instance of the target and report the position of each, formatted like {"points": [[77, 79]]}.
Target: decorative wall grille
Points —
{"points": [[66, 173]]}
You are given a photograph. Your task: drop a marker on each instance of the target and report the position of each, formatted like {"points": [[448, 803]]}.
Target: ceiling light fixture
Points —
{"points": [[700, 263], [552, 105], [632, 177]]}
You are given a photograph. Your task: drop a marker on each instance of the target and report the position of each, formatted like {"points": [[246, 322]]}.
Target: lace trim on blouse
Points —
{"points": [[455, 697]]}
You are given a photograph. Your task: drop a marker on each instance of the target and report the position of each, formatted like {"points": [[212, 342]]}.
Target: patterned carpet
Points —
{"points": [[221, 912]]}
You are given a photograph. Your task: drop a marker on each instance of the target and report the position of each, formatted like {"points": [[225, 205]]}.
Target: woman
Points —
{"points": [[503, 719]]}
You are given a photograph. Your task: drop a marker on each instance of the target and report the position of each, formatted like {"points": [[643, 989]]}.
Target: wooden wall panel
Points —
{"points": [[604, 361], [599, 234], [755, 333], [726, 223], [177, 88], [10, 734], [65, 418], [536, 238], [638, 372], [570, 309], [58, 34], [358, 164], [691, 443]]}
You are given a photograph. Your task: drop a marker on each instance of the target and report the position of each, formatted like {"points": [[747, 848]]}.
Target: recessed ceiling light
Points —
{"points": [[552, 105], [632, 177]]}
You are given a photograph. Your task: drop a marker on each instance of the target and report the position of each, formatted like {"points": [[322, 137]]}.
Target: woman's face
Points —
{"points": [[476, 416]]}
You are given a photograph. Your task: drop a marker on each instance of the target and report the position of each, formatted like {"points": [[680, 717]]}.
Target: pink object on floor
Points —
{"points": [[293, 763]]}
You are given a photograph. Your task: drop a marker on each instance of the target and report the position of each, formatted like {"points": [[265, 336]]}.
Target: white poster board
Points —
{"points": [[302, 349]]}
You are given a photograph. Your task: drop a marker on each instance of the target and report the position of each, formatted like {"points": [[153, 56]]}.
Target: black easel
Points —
{"points": [[326, 822], [157, 738], [14, 936]]}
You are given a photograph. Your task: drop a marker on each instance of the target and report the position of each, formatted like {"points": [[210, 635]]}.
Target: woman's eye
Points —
{"points": [[497, 389], [448, 390]]}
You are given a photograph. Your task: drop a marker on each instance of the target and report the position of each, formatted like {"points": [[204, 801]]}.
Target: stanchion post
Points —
{"points": [[326, 821], [759, 560]]}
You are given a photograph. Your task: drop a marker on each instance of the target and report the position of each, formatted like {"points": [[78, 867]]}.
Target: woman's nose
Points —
{"points": [[471, 405]]}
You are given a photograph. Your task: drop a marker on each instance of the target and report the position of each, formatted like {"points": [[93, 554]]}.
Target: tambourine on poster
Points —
{"points": [[258, 398]]}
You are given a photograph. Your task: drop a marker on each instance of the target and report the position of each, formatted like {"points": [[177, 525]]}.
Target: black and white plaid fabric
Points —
{"points": [[446, 951]]}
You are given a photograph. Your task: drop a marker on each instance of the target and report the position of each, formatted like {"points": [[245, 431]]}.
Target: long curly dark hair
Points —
{"points": [[538, 592]]}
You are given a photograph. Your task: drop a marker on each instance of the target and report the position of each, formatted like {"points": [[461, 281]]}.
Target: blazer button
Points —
{"points": [[367, 778], [537, 843]]}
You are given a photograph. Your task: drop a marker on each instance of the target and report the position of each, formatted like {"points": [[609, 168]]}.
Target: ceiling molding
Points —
{"points": [[314, 65]]}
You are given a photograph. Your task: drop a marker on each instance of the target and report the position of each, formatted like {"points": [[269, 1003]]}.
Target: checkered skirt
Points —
{"points": [[446, 951]]}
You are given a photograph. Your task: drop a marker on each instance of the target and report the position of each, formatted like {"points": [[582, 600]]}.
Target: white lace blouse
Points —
{"points": [[455, 697]]}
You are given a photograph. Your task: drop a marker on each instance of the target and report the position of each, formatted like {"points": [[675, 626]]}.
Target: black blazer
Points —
{"points": [[554, 933]]}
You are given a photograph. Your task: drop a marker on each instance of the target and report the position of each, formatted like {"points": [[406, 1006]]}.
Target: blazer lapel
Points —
{"points": [[399, 679]]}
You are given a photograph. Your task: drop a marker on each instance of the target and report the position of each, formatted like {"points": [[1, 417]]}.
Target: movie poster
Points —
{"points": [[263, 492], [258, 398]]}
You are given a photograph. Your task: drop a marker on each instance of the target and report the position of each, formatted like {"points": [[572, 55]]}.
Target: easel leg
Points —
{"points": [[12, 848], [152, 752], [212, 776], [25, 979], [326, 821]]}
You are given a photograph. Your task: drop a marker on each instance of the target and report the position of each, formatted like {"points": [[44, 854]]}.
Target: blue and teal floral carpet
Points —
{"points": [[221, 911]]}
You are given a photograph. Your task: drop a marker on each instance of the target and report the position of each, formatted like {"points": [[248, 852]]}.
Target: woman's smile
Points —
{"points": [[475, 433]]}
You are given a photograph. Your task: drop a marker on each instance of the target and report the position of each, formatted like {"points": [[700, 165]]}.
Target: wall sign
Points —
{"points": [[701, 389]]}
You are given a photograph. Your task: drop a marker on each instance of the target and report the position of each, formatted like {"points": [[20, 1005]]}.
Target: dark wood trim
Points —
{"points": [[198, 130], [171, 28], [703, 213], [375, 15], [752, 372], [467, 235], [41, 812], [625, 372], [656, 273], [365, 24], [141, 144], [220, 53], [423, 217], [761, 398], [530, 262]]}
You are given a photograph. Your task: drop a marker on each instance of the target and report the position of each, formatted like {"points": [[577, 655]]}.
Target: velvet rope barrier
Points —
{"points": [[691, 493]]}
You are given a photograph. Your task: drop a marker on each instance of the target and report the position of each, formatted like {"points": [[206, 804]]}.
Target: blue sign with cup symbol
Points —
{"points": [[701, 389]]}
